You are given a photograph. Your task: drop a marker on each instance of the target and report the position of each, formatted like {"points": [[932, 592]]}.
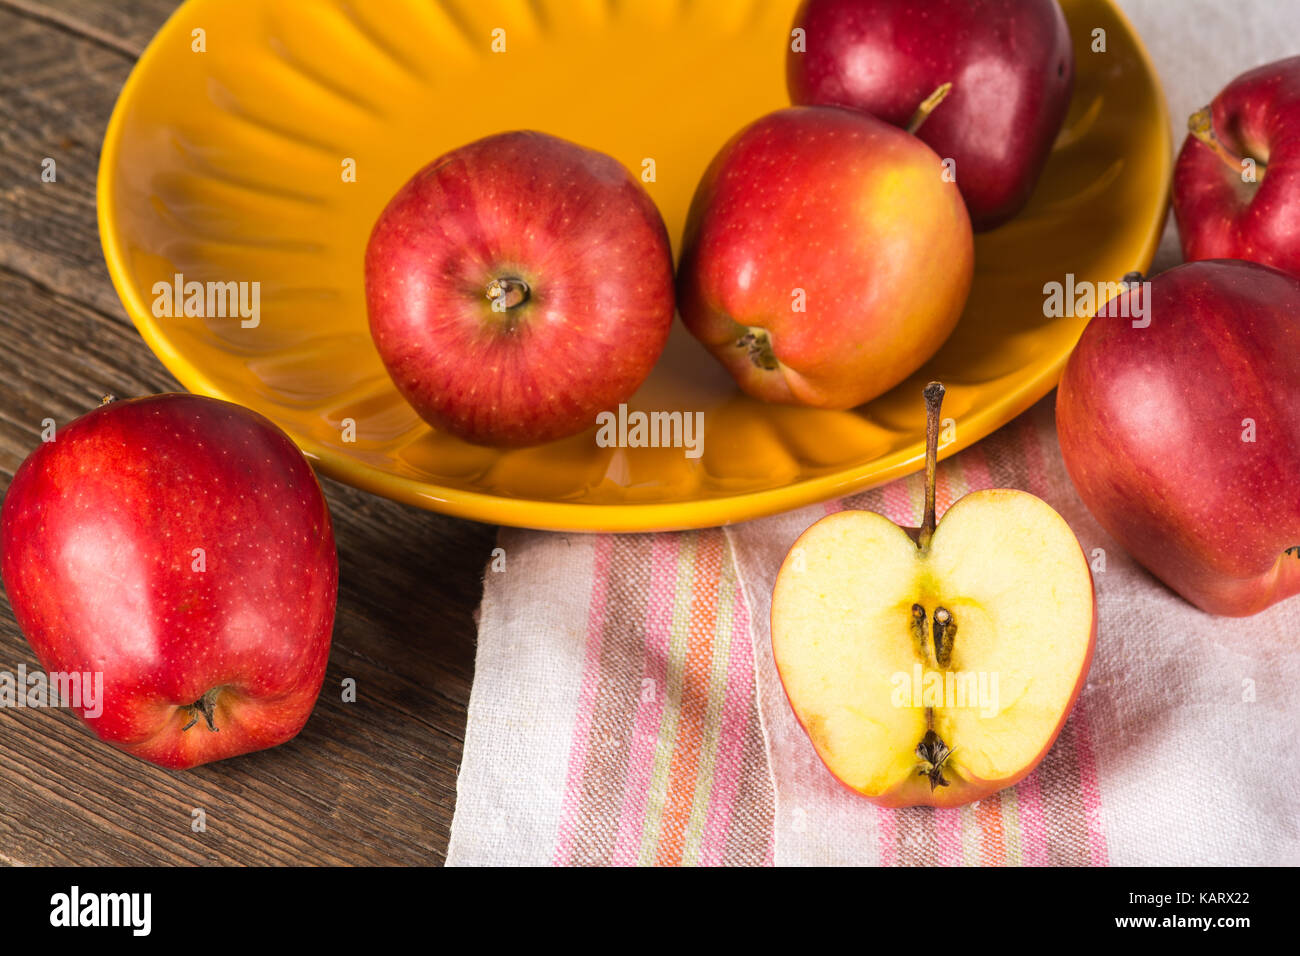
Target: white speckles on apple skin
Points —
{"points": [[96, 533]]}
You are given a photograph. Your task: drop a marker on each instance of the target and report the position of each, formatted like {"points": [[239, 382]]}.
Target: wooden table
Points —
{"points": [[367, 782]]}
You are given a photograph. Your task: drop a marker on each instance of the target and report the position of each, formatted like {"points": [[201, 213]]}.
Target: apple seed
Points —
{"points": [[919, 625], [945, 631]]}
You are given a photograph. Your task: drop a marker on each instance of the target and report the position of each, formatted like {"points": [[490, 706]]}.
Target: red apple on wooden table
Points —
{"points": [[517, 287], [935, 666], [181, 547], [1010, 64], [825, 257], [1237, 180], [1183, 436]]}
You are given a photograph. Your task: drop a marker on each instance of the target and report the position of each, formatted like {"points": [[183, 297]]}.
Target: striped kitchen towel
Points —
{"points": [[613, 718], [626, 710]]}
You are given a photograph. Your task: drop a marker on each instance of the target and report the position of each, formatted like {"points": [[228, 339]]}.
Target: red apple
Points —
{"points": [[1183, 436], [1237, 181], [825, 257], [938, 666], [181, 547], [517, 287], [1010, 64]]}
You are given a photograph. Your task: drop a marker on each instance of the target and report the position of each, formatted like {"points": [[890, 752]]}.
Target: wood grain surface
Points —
{"points": [[370, 782]]}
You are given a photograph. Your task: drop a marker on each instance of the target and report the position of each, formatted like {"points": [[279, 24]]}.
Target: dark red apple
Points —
{"points": [[1237, 180], [1182, 435], [1010, 64], [519, 286], [181, 547]]}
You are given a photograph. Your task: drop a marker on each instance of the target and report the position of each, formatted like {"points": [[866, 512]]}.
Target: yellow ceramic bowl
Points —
{"points": [[228, 165]]}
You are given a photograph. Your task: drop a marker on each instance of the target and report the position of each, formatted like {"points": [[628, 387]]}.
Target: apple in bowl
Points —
{"points": [[825, 257], [517, 287], [180, 548], [935, 666], [1010, 64]]}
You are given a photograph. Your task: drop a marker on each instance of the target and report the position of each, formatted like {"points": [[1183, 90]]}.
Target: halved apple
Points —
{"points": [[936, 666]]}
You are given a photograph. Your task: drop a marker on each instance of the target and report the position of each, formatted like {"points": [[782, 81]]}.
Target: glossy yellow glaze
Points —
{"points": [[227, 165]]}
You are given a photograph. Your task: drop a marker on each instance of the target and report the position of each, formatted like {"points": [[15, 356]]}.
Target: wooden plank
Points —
{"points": [[369, 782], [126, 27], [58, 92]]}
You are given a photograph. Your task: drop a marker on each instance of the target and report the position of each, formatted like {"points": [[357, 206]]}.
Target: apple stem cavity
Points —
{"points": [[927, 107], [1201, 125], [933, 404], [507, 292], [204, 707]]}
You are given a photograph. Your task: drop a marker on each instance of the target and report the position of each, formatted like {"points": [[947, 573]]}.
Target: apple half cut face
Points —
{"points": [[941, 672]]}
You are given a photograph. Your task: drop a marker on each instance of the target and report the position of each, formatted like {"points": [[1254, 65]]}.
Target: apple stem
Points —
{"points": [[204, 707], [933, 403], [927, 107], [1201, 125], [509, 291]]}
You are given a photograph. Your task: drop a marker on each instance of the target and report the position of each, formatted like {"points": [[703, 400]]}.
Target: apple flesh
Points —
{"points": [[181, 547], [1227, 207], [825, 258], [1183, 437], [1010, 63], [995, 598], [517, 287]]}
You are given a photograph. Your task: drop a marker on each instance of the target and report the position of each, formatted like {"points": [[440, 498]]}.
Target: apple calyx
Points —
{"points": [[1201, 125], [934, 753], [927, 107], [203, 707], [107, 399], [507, 292], [758, 344]]}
